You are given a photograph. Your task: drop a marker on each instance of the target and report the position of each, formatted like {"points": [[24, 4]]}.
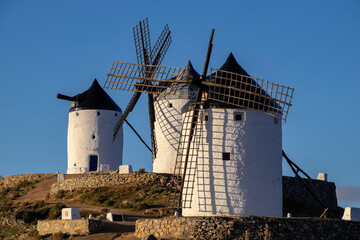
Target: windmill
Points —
{"points": [[260, 100], [92, 117], [168, 108], [147, 59]]}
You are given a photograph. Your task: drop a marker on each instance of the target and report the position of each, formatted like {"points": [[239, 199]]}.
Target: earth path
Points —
{"points": [[41, 189]]}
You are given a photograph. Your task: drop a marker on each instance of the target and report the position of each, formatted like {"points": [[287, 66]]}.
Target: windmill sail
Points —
{"points": [[147, 65], [251, 93], [126, 76], [142, 42], [185, 166]]}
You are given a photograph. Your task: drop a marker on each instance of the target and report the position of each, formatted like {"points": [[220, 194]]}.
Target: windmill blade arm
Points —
{"points": [[138, 135], [161, 46], [126, 76], [152, 124], [251, 93], [128, 109], [186, 161], [64, 97], [142, 42]]}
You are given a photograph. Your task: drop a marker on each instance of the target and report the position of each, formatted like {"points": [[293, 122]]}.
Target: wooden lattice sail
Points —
{"points": [[148, 60]]}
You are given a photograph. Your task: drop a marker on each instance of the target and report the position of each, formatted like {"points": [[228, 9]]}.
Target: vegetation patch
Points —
{"points": [[86, 213], [11, 193], [8, 232], [18, 218], [30, 213], [131, 196], [8, 194]]}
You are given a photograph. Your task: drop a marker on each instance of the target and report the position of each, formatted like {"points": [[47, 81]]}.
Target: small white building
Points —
{"points": [[92, 120], [70, 213], [351, 214]]}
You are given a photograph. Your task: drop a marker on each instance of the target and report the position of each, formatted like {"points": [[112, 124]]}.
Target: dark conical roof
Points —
{"points": [[189, 71], [231, 65], [183, 90], [248, 84], [94, 98]]}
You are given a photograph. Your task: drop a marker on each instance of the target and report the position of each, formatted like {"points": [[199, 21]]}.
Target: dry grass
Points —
{"points": [[131, 196]]}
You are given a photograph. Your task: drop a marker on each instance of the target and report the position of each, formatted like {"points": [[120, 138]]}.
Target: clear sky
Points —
{"points": [[50, 47]]}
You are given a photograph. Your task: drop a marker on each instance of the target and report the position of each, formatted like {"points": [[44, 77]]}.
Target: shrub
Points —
{"points": [[86, 213], [34, 234], [55, 211], [60, 194], [5, 206], [100, 198], [39, 204], [33, 212], [104, 211], [140, 206], [8, 232], [110, 202]]}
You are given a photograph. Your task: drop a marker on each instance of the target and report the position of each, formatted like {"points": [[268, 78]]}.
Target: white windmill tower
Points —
{"points": [[92, 119], [168, 109], [229, 154], [239, 151]]}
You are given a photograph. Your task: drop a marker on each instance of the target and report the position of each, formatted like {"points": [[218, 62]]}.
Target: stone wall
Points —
{"points": [[71, 227], [247, 228], [299, 202], [111, 178], [12, 181]]}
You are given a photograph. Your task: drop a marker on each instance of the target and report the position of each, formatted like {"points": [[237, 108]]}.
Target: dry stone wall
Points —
{"points": [[247, 228], [300, 203], [323, 190], [111, 178], [71, 227]]}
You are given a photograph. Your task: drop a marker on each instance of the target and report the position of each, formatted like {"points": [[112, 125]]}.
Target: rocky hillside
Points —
{"points": [[108, 190], [17, 220], [138, 191], [24, 199]]}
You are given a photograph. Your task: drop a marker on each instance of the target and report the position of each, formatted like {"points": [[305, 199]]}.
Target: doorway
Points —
{"points": [[93, 163]]}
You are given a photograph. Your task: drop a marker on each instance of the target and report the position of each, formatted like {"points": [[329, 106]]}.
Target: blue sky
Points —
{"points": [[50, 47]]}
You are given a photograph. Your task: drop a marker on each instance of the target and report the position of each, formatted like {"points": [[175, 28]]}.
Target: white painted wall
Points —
{"points": [[167, 129], [83, 124], [351, 214], [250, 183], [70, 213]]}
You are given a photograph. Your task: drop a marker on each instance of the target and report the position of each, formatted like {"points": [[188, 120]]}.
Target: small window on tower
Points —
{"points": [[93, 136], [115, 114], [77, 114], [170, 105], [205, 116], [239, 116], [98, 113], [226, 155]]}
